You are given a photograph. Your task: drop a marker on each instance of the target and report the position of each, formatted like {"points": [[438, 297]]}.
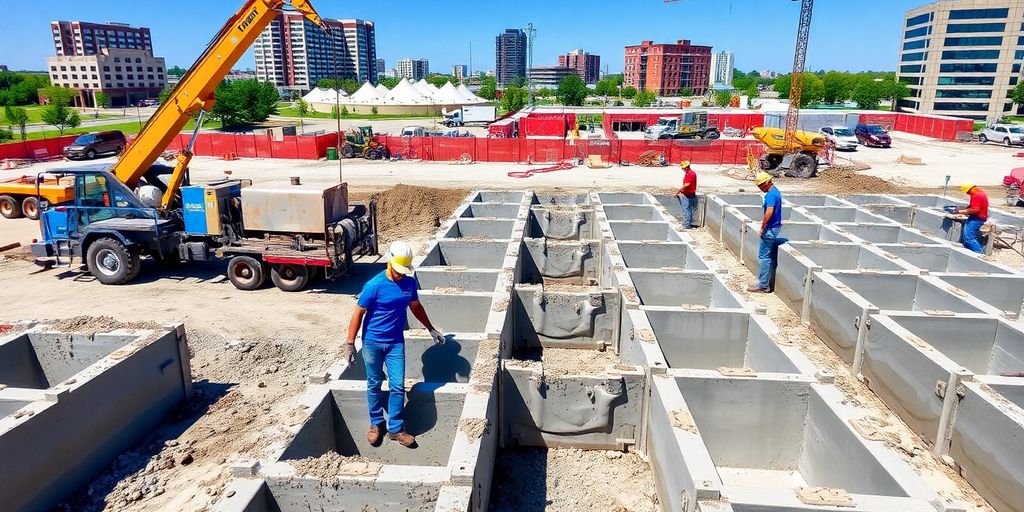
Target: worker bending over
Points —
{"points": [[977, 214], [687, 194], [771, 224], [381, 312]]}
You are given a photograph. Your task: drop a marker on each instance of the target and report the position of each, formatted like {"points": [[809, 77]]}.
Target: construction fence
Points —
{"points": [[36, 149]]}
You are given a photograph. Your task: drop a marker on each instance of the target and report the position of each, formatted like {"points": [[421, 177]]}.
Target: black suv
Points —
{"points": [[90, 145]]}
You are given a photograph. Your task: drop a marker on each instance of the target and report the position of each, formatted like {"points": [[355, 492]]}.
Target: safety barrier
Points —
{"points": [[42, 148]]}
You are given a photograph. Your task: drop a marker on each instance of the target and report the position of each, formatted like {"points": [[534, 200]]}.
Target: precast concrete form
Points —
{"points": [[71, 402], [933, 329]]}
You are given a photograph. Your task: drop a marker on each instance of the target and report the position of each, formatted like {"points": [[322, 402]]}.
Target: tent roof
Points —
{"points": [[468, 95], [405, 94], [382, 90], [366, 94], [318, 95], [449, 95]]}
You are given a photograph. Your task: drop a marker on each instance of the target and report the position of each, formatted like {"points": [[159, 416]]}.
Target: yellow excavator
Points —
{"points": [[116, 216], [798, 157]]}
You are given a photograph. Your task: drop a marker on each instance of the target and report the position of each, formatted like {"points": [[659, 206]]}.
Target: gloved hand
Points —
{"points": [[348, 353], [438, 337]]}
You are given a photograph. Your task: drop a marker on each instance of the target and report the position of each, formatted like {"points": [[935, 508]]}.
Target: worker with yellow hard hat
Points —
{"points": [[977, 214], [380, 312], [687, 194], [771, 225]]}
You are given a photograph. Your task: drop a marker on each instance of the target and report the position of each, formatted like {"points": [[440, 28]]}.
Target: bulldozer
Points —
{"points": [[359, 142], [797, 160]]}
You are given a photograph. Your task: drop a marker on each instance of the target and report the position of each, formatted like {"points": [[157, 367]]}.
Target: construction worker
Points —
{"points": [[687, 194], [977, 214], [771, 224], [381, 312]]}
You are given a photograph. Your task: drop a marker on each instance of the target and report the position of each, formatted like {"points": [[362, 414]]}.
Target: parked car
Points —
{"points": [[149, 102], [841, 137], [1005, 133], [90, 145], [873, 135]]}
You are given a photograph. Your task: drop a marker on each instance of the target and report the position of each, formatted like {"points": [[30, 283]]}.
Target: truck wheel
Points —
{"points": [[664, 136], [803, 166], [111, 262], [712, 134], [982, 138], [769, 162], [10, 208], [246, 273], [30, 207], [290, 278], [348, 151]]}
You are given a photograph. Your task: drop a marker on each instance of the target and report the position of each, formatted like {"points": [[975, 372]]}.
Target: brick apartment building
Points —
{"points": [[665, 69], [294, 54], [113, 58], [587, 66]]}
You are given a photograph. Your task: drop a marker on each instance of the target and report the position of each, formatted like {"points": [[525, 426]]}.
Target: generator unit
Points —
{"points": [[209, 207]]}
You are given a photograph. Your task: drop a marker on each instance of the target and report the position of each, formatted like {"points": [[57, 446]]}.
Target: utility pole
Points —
{"points": [[531, 33], [469, 73]]}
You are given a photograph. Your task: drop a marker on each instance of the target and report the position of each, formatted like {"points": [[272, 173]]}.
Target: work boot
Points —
{"points": [[756, 288], [404, 438], [375, 435]]}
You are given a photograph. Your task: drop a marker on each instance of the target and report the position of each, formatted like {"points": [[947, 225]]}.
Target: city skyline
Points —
{"points": [[723, 27]]}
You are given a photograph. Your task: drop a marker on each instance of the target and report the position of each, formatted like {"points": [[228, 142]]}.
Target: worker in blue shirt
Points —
{"points": [[771, 224], [381, 313]]}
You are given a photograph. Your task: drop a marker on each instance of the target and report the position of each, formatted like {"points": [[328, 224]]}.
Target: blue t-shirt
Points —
{"points": [[386, 303], [773, 198]]}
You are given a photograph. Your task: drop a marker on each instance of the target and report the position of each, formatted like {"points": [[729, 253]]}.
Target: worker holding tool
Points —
{"points": [[977, 214], [381, 312], [687, 194], [771, 224]]}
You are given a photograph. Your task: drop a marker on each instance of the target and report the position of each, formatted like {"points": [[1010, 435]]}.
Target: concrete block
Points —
{"points": [[686, 289], [864, 200], [1004, 292], [633, 212], [565, 317], [944, 258], [846, 214], [446, 278], [499, 196], [886, 233], [629, 230], [661, 255], [459, 312], [814, 200], [901, 214], [427, 361], [490, 210], [475, 254], [620, 198], [568, 222], [542, 258], [487, 229]]}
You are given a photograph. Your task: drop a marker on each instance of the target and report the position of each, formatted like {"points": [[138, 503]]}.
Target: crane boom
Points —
{"points": [[796, 83], [194, 93]]}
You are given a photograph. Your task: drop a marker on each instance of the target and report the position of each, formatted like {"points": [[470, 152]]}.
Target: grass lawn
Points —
{"points": [[35, 113], [128, 128], [290, 112]]}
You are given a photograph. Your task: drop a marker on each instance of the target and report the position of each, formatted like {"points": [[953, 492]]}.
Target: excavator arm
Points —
{"points": [[194, 93]]}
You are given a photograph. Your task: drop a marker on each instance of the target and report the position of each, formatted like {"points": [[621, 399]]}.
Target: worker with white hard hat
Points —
{"points": [[381, 313], [771, 225], [687, 194], [977, 214]]}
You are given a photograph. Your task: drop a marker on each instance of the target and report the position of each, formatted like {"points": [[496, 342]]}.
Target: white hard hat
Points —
{"points": [[400, 257]]}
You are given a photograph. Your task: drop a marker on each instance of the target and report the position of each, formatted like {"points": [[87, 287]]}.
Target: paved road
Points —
{"points": [[88, 120]]}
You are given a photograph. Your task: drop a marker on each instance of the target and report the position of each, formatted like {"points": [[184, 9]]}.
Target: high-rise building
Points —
{"points": [[113, 58], [962, 58], [721, 68], [549, 76], [413, 69], [460, 71], [510, 55], [85, 38], [391, 73], [587, 66], [665, 69], [380, 69], [294, 54]]}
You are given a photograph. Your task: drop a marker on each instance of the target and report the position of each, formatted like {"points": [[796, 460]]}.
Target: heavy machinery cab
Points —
{"points": [[359, 142], [688, 125]]}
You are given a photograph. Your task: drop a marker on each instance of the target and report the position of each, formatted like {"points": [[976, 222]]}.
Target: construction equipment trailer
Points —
{"points": [[136, 208]]}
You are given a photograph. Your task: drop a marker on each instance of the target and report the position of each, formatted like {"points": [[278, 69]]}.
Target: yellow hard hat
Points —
{"points": [[400, 258], [684, 164], [762, 178], [966, 187]]}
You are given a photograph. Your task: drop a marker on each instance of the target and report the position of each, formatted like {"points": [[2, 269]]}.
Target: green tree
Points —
{"points": [[302, 109], [61, 116], [244, 102], [686, 91], [390, 82], [722, 98], [59, 95], [17, 116], [545, 92], [373, 110], [176, 71], [629, 92], [519, 81], [21, 88], [572, 91], [488, 88], [6, 135], [346, 84], [868, 93], [894, 90], [643, 99], [837, 87], [617, 79], [1018, 93], [513, 98], [102, 99], [812, 91], [439, 80], [164, 94], [607, 87]]}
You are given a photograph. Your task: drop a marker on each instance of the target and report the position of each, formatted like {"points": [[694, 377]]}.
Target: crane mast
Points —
{"points": [[195, 92], [796, 83]]}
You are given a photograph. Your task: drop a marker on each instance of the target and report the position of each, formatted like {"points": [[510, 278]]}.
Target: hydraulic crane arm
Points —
{"points": [[195, 91]]}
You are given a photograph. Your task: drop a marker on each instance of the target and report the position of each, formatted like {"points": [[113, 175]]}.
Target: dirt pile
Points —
{"points": [[406, 210], [841, 179]]}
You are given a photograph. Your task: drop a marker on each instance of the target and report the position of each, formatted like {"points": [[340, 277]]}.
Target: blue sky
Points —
{"points": [[845, 35]]}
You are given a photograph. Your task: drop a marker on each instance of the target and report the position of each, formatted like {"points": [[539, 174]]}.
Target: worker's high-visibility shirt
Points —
{"points": [[689, 183], [979, 200]]}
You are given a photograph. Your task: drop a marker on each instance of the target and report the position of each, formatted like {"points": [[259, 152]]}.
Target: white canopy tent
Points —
{"points": [[319, 95], [468, 95], [405, 94], [366, 94]]}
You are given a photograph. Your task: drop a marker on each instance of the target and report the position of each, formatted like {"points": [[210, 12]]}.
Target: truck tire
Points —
{"points": [[111, 262], [246, 273], [712, 135], [803, 166], [10, 208], [982, 138], [769, 162], [30, 207], [290, 278], [348, 151], [90, 155]]}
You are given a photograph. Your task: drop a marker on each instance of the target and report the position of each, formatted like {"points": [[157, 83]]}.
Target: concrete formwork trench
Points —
{"points": [[934, 330], [72, 401]]}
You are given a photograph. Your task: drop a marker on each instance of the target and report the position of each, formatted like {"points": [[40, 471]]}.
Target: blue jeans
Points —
{"points": [[971, 235], [768, 255], [379, 357], [689, 206]]}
